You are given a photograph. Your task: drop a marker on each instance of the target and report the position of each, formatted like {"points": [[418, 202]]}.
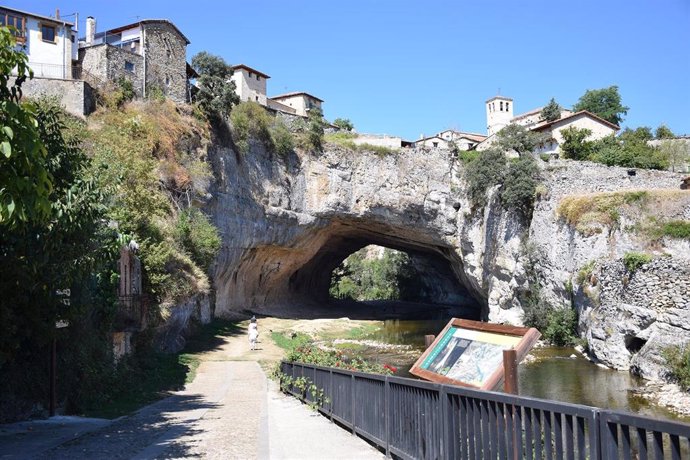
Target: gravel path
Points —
{"points": [[230, 411]]}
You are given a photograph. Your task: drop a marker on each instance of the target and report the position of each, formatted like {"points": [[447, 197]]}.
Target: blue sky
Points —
{"points": [[407, 68]]}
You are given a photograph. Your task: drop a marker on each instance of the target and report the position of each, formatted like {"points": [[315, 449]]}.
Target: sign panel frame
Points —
{"points": [[460, 335]]}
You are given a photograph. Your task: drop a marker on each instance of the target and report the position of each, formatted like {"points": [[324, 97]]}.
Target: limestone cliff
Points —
{"points": [[287, 222]]}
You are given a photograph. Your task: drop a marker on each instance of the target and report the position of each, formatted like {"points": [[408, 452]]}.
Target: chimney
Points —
{"points": [[57, 13], [90, 30]]}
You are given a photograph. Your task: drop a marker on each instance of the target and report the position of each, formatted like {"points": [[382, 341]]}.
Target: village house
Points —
{"points": [[499, 114], [444, 139], [250, 84], [47, 42], [150, 53], [300, 101]]}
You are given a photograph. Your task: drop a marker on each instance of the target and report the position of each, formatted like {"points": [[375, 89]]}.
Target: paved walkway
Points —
{"points": [[230, 411]]}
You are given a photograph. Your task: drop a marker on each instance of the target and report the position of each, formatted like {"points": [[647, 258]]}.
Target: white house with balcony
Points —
{"points": [[48, 42]]}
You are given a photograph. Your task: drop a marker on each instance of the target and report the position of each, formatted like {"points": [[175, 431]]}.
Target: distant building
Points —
{"points": [[149, 53], [250, 84], [499, 114], [301, 102], [47, 42], [432, 142], [463, 140]]}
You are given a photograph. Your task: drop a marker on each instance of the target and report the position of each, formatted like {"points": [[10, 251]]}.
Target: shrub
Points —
{"points": [[486, 171], [601, 208], [575, 145], [519, 186], [315, 129], [562, 327], [678, 359], [585, 273], [344, 124], [283, 141], [198, 236], [250, 120], [634, 260], [468, 156], [676, 229]]}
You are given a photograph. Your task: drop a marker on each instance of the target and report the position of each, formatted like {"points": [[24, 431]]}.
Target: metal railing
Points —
{"points": [[412, 419]]}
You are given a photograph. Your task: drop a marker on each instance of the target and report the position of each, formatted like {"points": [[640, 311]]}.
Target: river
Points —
{"points": [[560, 374]]}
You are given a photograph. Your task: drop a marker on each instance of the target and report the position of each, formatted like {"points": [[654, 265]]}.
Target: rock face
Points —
{"points": [[288, 222], [638, 315]]}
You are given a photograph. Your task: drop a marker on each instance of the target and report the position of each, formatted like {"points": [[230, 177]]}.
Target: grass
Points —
{"points": [[290, 342], [675, 229], [152, 377], [588, 213], [585, 273], [344, 139], [634, 260]]}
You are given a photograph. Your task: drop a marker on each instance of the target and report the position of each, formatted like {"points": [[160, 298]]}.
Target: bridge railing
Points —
{"points": [[413, 419]]}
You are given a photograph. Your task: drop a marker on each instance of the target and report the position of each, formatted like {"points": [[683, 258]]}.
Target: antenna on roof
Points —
{"points": [[499, 91]]}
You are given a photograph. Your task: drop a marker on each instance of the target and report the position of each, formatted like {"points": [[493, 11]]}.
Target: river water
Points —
{"points": [[560, 374]]}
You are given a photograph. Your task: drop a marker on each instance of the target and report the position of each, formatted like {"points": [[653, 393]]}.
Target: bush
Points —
{"points": [[585, 273], [678, 359], [283, 141], [561, 329], [676, 229], [634, 260], [198, 236], [344, 124], [519, 186], [250, 120], [486, 171], [575, 145]]}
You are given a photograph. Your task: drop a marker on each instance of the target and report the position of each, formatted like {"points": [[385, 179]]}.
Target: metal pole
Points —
{"points": [[53, 378], [510, 375]]}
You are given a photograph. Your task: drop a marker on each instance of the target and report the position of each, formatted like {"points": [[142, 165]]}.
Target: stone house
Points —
{"points": [[152, 54], [463, 140], [499, 114], [432, 142], [300, 102]]}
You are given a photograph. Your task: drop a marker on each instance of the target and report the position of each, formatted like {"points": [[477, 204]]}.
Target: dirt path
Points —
{"points": [[230, 410]]}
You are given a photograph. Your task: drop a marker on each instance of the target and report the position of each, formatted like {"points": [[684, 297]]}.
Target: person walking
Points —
{"points": [[253, 333]]}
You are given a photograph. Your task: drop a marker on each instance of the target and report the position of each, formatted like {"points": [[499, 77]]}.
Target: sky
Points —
{"points": [[408, 68]]}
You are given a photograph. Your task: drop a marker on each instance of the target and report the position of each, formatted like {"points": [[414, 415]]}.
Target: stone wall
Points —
{"points": [[635, 316], [166, 60], [75, 96], [103, 65]]}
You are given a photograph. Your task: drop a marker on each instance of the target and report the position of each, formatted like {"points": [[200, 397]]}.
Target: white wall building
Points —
{"points": [[250, 84], [499, 114], [300, 101], [48, 42]]}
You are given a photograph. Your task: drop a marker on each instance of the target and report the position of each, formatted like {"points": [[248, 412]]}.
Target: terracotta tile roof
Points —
{"points": [[39, 16], [296, 93], [250, 69], [574, 115]]}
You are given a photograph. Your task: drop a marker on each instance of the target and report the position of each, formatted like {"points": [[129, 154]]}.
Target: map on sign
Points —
{"points": [[469, 356]]}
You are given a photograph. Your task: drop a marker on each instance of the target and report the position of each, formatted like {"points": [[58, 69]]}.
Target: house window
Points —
{"points": [[507, 106], [48, 33], [257, 98], [435, 144], [17, 22], [250, 75], [129, 66], [500, 105], [258, 78]]}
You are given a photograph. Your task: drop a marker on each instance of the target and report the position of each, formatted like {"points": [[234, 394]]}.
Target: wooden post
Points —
{"points": [[428, 340], [510, 374]]}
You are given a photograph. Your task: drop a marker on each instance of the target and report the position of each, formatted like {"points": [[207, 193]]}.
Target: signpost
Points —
{"points": [[472, 354]]}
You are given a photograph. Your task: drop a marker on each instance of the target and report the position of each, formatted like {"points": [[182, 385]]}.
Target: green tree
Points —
{"points": [[215, 91], [486, 171], [575, 145], [552, 111], [677, 152], [315, 129], [344, 124], [25, 182], [519, 186], [663, 132], [519, 139], [605, 103]]}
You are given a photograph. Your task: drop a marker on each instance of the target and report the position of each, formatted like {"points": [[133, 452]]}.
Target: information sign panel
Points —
{"points": [[470, 353]]}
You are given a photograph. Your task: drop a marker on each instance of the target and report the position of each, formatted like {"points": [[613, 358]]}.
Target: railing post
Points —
{"points": [[446, 425], [387, 415], [330, 393], [352, 396], [595, 437]]}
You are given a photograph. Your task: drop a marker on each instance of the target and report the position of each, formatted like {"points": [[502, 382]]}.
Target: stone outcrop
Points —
{"points": [[636, 315], [287, 222]]}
